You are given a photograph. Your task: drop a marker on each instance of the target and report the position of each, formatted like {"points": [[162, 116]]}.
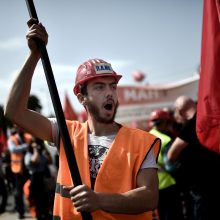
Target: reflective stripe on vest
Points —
{"points": [[128, 151]]}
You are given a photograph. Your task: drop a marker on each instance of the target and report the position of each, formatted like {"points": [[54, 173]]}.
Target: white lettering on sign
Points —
{"points": [[140, 95]]}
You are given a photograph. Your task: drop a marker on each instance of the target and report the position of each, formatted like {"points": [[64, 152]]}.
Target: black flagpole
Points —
{"points": [[71, 159]]}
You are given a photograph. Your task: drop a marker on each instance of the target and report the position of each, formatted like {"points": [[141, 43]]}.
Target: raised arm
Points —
{"points": [[176, 148], [16, 106]]}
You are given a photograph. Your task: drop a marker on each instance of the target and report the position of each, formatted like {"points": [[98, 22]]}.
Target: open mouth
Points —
{"points": [[108, 106]]}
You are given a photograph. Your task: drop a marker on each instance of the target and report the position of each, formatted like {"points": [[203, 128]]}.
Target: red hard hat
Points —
{"points": [[159, 114], [91, 69]]}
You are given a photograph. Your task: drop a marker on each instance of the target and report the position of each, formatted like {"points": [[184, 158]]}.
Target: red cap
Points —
{"points": [[91, 69], [159, 114]]}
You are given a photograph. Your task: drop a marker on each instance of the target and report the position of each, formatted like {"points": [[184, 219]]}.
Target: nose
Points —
{"points": [[111, 95], [109, 91]]}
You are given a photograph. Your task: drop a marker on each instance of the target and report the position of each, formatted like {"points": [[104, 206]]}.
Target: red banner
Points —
{"points": [[3, 141], [69, 113], [208, 109]]}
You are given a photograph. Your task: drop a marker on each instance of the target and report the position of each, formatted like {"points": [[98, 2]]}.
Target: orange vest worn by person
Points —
{"points": [[17, 158], [117, 174]]}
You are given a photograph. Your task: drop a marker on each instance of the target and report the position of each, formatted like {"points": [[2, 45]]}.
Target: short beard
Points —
{"points": [[94, 111]]}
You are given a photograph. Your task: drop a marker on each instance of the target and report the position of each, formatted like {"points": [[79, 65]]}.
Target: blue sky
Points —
{"points": [[160, 38]]}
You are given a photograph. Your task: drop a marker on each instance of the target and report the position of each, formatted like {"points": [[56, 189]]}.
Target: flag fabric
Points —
{"points": [[3, 141], [82, 116], [208, 108], [69, 112]]}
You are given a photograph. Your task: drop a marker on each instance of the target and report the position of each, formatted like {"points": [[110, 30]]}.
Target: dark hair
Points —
{"points": [[83, 89], [40, 145]]}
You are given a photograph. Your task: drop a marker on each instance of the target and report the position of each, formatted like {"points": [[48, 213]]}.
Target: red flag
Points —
{"points": [[3, 141], [208, 109], [82, 116], [69, 113]]}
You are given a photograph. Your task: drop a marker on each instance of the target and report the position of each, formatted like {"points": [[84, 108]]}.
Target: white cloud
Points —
{"points": [[4, 88], [64, 76], [119, 64], [13, 43]]}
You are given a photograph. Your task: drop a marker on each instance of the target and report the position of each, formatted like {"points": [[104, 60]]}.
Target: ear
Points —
{"points": [[81, 98]]}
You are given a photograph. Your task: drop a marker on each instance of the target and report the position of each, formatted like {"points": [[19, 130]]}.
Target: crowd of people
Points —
{"points": [[127, 173], [188, 172], [25, 174]]}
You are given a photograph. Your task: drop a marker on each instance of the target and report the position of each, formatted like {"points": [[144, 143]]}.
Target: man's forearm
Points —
{"points": [[18, 96], [133, 202]]}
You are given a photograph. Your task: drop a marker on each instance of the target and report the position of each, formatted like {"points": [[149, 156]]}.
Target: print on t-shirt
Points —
{"points": [[97, 154]]}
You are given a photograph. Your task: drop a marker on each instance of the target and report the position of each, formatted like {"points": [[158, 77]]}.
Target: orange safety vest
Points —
{"points": [[127, 152], [17, 158]]}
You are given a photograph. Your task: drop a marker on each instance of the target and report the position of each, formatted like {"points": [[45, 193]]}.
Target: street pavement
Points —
{"points": [[14, 216], [10, 214]]}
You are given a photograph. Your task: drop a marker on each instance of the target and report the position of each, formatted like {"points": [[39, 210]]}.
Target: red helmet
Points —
{"points": [[160, 114], [91, 69]]}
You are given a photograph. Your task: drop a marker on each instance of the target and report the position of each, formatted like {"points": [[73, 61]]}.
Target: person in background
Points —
{"points": [[8, 174], [17, 145], [117, 164], [170, 203], [199, 170], [3, 189], [37, 160], [3, 149]]}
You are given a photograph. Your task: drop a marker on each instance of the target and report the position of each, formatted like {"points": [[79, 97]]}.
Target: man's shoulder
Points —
{"points": [[134, 130], [76, 125], [138, 133]]}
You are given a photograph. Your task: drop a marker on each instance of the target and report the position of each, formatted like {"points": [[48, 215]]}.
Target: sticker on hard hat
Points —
{"points": [[103, 68]]}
